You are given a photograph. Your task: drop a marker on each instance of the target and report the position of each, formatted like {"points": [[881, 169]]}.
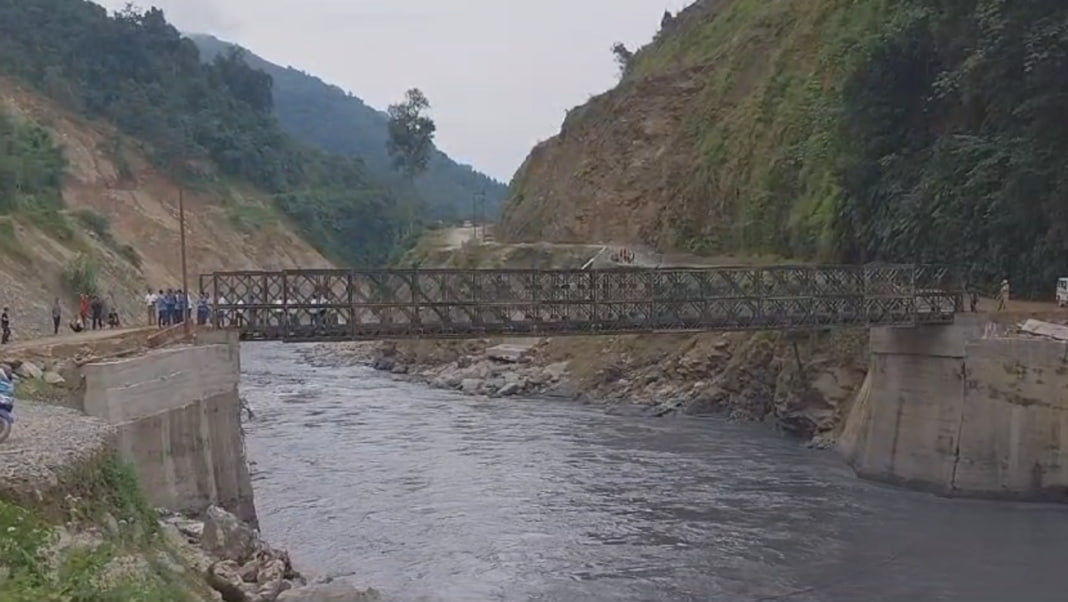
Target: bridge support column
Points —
{"points": [[959, 410]]}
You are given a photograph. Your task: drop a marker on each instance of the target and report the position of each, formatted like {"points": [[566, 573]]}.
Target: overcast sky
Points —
{"points": [[499, 73]]}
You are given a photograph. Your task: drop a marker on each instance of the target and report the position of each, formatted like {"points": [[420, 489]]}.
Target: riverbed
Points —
{"points": [[433, 496]]}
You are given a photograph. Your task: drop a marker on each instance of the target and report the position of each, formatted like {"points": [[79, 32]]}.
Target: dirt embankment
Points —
{"points": [[108, 174]]}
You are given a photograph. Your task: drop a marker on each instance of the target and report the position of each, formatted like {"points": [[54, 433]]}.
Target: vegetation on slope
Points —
{"points": [[840, 131], [31, 179], [135, 70], [117, 552], [333, 120]]}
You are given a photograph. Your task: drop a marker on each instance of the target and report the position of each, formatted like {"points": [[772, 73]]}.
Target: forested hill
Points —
{"points": [[327, 117], [208, 123], [882, 130]]}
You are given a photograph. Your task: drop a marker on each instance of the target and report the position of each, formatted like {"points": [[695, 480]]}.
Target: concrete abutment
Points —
{"points": [[962, 410], [177, 414]]}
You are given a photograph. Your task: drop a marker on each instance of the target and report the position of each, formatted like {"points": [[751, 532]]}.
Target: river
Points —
{"points": [[434, 496]]}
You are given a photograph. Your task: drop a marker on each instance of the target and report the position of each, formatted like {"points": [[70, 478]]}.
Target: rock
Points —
{"points": [[29, 370], [470, 385], [508, 353], [225, 578], [509, 389], [335, 591], [192, 529], [399, 369], [271, 579], [249, 571], [111, 525], [385, 364], [226, 537], [53, 378]]}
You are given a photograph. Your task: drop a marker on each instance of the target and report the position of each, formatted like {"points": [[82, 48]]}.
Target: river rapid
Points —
{"points": [[429, 495]]}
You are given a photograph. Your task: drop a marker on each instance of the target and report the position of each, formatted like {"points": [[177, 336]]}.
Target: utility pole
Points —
{"points": [[480, 198], [474, 217], [185, 274]]}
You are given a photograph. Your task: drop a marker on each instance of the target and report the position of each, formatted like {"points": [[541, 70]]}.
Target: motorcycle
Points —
{"points": [[7, 406]]}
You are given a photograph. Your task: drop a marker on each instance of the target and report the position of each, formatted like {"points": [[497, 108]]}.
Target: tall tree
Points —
{"points": [[411, 133], [411, 139]]}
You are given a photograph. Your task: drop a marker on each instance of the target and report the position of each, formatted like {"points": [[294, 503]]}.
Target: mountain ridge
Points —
{"points": [[330, 118]]}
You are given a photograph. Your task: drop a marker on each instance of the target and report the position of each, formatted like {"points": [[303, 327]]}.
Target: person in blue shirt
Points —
{"points": [[169, 302], [203, 310]]}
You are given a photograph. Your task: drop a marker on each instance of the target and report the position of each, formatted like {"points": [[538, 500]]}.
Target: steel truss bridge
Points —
{"points": [[332, 305]]}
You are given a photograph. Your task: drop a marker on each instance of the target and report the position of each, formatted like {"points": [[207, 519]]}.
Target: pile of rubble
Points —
{"points": [[242, 567]]}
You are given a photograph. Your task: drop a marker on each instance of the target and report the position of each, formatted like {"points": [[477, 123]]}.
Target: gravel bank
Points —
{"points": [[46, 449]]}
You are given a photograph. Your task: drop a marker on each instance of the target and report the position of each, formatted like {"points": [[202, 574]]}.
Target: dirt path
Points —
{"points": [[75, 337]]}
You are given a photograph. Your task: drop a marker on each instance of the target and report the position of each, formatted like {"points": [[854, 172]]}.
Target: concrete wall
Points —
{"points": [[962, 410], [177, 413]]}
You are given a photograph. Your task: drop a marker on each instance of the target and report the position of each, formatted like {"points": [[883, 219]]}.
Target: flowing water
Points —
{"points": [[430, 495]]}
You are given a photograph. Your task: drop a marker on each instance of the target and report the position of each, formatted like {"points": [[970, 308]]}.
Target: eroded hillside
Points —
{"points": [[827, 129], [136, 243]]}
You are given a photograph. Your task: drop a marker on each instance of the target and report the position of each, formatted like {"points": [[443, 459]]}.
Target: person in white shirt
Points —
{"points": [[150, 304]]}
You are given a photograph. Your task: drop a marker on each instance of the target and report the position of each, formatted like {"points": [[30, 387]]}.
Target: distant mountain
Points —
{"points": [[327, 117]]}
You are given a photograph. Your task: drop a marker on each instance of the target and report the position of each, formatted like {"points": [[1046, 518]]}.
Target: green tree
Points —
{"points": [[411, 133], [411, 142]]}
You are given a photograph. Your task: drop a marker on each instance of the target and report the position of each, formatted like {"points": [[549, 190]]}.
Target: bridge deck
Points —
{"points": [[310, 305]]}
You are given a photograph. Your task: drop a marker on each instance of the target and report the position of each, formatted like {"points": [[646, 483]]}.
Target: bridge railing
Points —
{"points": [[367, 304]]}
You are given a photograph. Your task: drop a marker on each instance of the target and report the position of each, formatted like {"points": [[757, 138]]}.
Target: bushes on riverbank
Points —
{"points": [[100, 543]]}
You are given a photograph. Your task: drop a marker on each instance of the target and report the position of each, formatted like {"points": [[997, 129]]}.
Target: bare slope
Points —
{"points": [[714, 141], [107, 174]]}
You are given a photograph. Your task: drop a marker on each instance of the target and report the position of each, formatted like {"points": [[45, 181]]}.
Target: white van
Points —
{"points": [[1062, 292]]}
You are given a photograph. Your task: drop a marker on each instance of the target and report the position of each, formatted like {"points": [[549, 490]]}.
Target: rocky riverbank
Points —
{"points": [[801, 383], [73, 516], [241, 567]]}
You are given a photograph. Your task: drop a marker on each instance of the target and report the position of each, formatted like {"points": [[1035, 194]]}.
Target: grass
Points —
{"points": [[108, 499]]}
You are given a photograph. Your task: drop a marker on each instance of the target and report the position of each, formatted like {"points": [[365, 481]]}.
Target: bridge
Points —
{"points": [[332, 305]]}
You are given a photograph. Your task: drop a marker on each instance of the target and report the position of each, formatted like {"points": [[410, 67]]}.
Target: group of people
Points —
{"points": [[175, 306], [92, 310]]}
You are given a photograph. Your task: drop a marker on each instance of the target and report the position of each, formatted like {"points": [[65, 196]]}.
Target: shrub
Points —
{"points": [[80, 275]]}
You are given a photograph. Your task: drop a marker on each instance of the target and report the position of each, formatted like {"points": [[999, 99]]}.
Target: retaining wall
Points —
{"points": [[177, 414], [963, 410]]}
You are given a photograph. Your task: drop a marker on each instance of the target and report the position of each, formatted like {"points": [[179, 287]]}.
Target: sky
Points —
{"points": [[499, 74]]}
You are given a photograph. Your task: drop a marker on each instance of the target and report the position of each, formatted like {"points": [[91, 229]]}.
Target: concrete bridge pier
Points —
{"points": [[962, 410]]}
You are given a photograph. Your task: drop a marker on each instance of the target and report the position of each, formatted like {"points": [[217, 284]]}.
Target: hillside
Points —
{"points": [[325, 116], [824, 129], [209, 125], [123, 216]]}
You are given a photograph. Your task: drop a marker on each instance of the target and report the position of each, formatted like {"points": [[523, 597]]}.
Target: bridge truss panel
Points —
{"points": [[371, 304]]}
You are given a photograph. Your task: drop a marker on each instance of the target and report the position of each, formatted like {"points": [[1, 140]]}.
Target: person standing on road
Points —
{"points": [[57, 311], [1003, 295], [168, 308], [150, 306], [161, 308], [96, 308], [5, 328], [83, 307]]}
